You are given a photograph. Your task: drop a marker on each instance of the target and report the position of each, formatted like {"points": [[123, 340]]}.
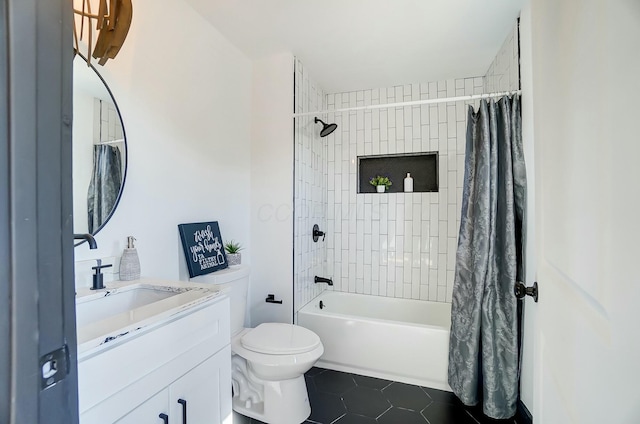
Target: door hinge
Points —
{"points": [[54, 366]]}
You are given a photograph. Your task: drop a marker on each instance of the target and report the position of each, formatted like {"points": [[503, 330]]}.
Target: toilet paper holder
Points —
{"points": [[271, 298]]}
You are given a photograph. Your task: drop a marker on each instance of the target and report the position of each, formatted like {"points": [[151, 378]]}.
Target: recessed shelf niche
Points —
{"points": [[423, 168]]}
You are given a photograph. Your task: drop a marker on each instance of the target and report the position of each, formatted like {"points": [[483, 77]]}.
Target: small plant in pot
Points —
{"points": [[381, 183], [233, 252]]}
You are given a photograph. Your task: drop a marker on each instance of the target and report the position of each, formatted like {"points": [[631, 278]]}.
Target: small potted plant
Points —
{"points": [[381, 183], [233, 252]]}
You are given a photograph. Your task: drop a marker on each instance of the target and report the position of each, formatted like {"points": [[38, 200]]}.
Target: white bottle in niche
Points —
{"points": [[408, 183], [129, 262]]}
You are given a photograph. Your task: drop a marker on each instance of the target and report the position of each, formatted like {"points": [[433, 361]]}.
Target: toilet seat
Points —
{"points": [[279, 366], [280, 339]]}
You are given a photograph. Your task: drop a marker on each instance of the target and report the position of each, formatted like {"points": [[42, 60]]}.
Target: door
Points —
{"points": [[586, 89], [38, 379], [150, 411], [204, 392]]}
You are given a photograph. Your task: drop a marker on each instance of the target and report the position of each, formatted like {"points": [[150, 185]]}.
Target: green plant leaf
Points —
{"points": [[379, 180], [233, 247]]}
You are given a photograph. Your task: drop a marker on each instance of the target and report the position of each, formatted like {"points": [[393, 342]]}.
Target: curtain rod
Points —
{"points": [[411, 103]]}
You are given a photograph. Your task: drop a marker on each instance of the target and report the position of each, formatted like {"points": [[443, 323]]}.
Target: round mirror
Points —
{"points": [[99, 150]]}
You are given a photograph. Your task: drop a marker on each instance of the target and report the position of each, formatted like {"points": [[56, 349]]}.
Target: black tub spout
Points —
{"points": [[323, 280]]}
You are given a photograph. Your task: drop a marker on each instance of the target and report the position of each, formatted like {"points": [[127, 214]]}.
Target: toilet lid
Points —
{"points": [[277, 338]]}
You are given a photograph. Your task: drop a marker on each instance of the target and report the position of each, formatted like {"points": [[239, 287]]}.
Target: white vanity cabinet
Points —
{"points": [[185, 357], [190, 399], [147, 413]]}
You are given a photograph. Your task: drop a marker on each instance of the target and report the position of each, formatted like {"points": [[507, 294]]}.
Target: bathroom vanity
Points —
{"points": [[154, 352]]}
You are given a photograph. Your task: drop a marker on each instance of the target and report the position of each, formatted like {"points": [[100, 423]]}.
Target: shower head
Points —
{"points": [[326, 128]]}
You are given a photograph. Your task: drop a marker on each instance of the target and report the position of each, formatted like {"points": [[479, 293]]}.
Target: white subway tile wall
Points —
{"points": [[504, 72], [391, 244], [396, 244], [310, 189]]}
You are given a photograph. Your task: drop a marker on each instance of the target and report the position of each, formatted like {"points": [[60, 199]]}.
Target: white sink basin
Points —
{"points": [[127, 309], [117, 302]]}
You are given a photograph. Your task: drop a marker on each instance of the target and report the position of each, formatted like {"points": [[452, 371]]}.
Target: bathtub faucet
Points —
{"points": [[323, 280]]}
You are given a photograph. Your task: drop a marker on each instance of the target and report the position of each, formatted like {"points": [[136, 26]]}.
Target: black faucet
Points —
{"points": [[88, 237], [317, 279], [98, 277]]}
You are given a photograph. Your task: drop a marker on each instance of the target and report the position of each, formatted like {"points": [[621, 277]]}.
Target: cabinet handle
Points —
{"points": [[184, 410], [165, 418]]}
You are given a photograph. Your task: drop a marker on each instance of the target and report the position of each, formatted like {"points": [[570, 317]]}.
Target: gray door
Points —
{"points": [[37, 310]]}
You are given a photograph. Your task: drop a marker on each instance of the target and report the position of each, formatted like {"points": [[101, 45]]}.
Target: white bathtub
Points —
{"points": [[395, 339]]}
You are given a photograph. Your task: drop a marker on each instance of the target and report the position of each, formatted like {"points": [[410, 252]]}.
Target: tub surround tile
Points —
{"points": [[400, 216], [437, 128], [311, 188]]}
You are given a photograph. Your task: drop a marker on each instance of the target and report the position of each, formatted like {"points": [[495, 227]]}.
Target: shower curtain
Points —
{"points": [[104, 188], [483, 348]]}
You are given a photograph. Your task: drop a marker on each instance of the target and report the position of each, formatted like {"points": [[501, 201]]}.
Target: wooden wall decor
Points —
{"points": [[112, 21]]}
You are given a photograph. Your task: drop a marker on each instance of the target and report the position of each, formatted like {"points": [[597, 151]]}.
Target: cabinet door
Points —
{"points": [[204, 393], [149, 412]]}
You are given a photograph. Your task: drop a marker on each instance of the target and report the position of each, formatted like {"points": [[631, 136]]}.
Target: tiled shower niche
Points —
{"points": [[422, 167]]}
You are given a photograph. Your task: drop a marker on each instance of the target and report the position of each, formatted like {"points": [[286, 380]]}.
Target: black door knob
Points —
{"points": [[520, 290]]}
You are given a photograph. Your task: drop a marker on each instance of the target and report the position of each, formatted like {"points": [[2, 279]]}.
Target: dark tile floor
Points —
{"points": [[344, 398]]}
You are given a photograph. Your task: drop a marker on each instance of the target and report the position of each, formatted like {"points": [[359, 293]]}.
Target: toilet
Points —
{"points": [[269, 361]]}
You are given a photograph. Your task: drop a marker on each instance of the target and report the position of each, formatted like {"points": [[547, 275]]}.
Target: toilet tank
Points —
{"points": [[234, 282]]}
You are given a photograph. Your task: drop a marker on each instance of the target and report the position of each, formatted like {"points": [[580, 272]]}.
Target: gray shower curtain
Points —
{"points": [[483, 348], [104, 188]]}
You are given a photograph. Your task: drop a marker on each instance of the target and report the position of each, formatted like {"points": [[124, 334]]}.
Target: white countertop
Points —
{"points": [[97, 335]]}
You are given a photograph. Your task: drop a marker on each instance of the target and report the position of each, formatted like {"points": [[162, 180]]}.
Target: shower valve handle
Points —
{"points": [[317, 233]]}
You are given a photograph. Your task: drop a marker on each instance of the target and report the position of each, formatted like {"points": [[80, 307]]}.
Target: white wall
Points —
{"points": [[185, 95], [310, 189], [272, 189], [397, 244]]}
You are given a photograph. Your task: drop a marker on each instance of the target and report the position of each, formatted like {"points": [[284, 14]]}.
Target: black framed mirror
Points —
{"points": [[100, 157]]}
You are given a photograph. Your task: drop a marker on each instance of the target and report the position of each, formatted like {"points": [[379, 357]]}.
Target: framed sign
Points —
{"points": [[203, 248]]}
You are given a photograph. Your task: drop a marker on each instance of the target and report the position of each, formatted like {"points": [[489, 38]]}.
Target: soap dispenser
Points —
{"points": [[129, 262], [408, 183]]}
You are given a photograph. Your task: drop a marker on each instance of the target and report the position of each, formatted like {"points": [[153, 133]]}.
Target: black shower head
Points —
{"points": [[326, 128]]}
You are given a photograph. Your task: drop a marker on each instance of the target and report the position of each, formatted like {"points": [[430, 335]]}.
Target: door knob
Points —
{"points": [[520, 290]]}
